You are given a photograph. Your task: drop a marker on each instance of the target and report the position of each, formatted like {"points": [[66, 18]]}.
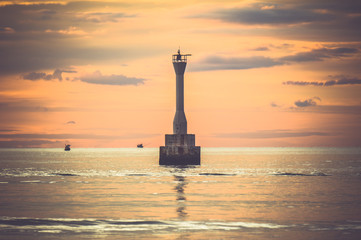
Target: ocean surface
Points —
{"points": [[237, 193]]}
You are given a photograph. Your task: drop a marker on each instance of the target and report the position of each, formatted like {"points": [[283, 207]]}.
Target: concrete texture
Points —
{"points": [[180, 155]]}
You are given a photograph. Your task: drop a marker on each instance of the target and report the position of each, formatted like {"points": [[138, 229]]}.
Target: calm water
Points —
{"points": [[237, 193]]}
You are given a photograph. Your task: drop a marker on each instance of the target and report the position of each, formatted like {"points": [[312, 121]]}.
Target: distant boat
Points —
{"points": [[67, 147], [140, 145]]}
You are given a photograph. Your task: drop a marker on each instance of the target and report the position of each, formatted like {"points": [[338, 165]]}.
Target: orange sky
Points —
{"points": [[99, 73]]}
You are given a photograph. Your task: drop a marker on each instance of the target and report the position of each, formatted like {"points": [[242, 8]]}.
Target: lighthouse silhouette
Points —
{"points": [[180, 146]]}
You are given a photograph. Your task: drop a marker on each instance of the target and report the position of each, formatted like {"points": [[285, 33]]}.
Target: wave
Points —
{"points": [[301, 174], [217, 174], [101, 226], [137, 174], [67, 225], [66, 174], [114, 173]]}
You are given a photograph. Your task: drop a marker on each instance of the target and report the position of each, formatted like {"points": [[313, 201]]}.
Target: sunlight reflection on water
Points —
{"points": [[238, 192]]}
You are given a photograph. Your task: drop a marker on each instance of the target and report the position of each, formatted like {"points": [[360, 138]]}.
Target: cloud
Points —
{"points": [[67, 136], [54, 16], [51, 35], [282, 46], [28, 105], [339, 109], [274, 104], [305, 103], [30, 143], [226, 63], [265, 134], [323, 20], [22, 105], [8, 130], [303, 83], [57, 140], [261, 49], [343, 80], [308, 102], [102, 17], [55, 136], [98, 78], [71, 122], [57, 74], [320, 54], [346, 6], [270, 15], [95, 78], [6, 30]]}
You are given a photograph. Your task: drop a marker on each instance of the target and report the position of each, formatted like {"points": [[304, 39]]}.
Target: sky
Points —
{"points": [[281, 73]]}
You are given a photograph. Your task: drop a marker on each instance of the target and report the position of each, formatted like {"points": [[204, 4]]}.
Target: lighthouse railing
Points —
{"points": [[180, 57]]}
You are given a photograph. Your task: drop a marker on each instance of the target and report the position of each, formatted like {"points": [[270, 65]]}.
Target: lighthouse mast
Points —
{"points": [[180, 121]]}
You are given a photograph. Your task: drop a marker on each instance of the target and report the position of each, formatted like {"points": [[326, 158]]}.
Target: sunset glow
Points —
{"points": [[99, 73]]}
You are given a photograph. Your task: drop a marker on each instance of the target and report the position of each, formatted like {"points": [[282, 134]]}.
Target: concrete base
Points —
{"points": [[180, 140], [180, 149], [180, 155]]}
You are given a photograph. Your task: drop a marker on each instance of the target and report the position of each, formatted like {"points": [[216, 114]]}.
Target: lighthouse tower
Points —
{"points": [[180, 146], [180, 121]]}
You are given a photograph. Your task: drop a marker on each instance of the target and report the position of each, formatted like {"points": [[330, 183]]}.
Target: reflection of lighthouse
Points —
{"points": [[180, 147], [181, 198]]}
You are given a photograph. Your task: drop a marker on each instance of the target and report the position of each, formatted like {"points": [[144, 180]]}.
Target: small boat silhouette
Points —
{"points": [[67, 147], [140, 145]]}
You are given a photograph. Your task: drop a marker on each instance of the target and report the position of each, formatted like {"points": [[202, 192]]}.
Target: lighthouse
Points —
{"points": [[180, 148]]}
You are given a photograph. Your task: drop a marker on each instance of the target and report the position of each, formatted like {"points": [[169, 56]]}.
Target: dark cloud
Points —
{"points": [[339, 109], [274, 104], [282, 46], [28, 105], [224, 63], [95, 78], [327, 21], [8, 130], [103, 17], [338, 82], [32, 56], [307, 103], [341, 30], [335, 6], [270, 15], [261, 49], [320, 54], [56, 136], [43, 16], [66, 136], [343, 110], [57, 74], [22, 105], [57, 140], [343, 81], [35, 37], [30, 143], [272, 134], [71, 122], [303, 83], [98, 78]]}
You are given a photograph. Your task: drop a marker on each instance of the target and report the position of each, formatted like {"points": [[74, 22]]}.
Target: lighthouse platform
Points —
{"points": [[180, 149]]}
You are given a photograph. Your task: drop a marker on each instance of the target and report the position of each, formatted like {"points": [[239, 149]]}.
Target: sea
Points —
{"points": [[236, 193]]}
